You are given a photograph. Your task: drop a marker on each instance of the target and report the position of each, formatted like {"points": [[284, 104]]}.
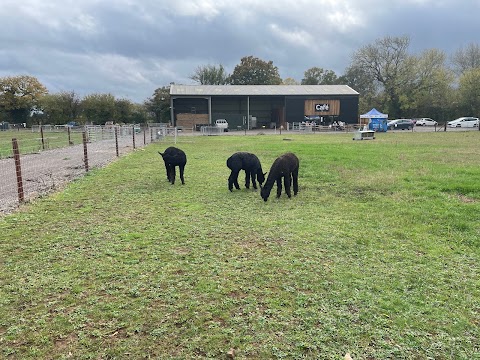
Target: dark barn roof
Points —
{"points": [[260, 90]]}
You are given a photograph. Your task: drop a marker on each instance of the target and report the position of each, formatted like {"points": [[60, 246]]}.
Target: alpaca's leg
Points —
{"points": [[254, 183], [287, 182], [167, 168], [169, 173], [181, 168], [279, 187], [247, 179], [295, 181], [233, 180], [173, 174]]}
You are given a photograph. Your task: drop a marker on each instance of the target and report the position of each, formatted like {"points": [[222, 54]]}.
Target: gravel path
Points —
{"points": [[50, 170]]}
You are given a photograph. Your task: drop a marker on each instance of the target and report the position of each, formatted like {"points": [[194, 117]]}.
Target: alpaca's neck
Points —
{"points": [[270, 181]]}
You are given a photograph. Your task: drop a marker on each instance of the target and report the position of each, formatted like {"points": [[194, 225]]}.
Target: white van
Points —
{"points": [[222, 124]]}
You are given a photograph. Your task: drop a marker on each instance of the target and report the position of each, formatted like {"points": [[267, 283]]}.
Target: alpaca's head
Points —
{"points": [[261, 176], [265, 192]]}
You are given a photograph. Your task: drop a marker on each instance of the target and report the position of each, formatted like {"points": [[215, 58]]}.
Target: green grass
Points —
{"points": [[378, 255], [31, 142]]}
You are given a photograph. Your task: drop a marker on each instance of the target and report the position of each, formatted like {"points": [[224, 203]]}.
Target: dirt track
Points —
{"points": [[50, 170]]}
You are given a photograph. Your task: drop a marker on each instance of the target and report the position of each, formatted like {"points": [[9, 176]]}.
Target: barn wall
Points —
{"points": [[189, 120], [268, 109]]}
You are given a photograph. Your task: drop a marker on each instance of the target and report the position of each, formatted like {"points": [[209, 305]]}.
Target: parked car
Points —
{"points": [[426, 122], [400, 124], [466, 121], [222, 123]]}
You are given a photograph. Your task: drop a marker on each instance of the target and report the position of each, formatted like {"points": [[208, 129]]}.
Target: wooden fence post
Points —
{"points": [[41, 135], [133, 136], [85, 152], [18, 169], [116, 140], [69, 136]]}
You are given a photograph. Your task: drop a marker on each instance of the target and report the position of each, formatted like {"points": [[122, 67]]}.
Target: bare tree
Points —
{"points": [[388, 63], [467, 58]]}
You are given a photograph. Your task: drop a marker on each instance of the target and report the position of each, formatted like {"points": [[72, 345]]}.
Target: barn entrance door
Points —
{"points": [[278, 117]]}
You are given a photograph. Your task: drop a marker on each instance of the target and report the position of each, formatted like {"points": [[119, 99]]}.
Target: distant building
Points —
{"points": [[255, 106]]}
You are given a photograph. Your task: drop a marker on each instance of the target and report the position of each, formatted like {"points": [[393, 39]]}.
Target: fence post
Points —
{"points": [[145, 135], [18, 169], [41, 135], [69, 136], [151, 135], [116, 140], [133, 136], [85, 152]]}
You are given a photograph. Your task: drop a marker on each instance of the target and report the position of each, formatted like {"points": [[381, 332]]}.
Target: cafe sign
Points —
{"points": [[322, 107]]}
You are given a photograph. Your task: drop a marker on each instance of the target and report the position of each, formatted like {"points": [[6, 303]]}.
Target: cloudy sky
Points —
{"points": [[129, 48]]}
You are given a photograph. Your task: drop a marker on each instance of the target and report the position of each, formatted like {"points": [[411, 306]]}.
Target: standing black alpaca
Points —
{"points": [[248, 162], [286, 167], [174, 157]]}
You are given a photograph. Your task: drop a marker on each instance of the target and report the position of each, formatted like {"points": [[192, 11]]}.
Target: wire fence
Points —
{"points": [[35, 162]]}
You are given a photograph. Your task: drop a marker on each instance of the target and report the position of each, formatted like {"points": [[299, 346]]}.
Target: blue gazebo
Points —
{"points": [[376, 120]]}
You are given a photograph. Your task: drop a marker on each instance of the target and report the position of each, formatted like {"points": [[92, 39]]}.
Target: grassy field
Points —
{"points": [[378, 255], [30, 142]]}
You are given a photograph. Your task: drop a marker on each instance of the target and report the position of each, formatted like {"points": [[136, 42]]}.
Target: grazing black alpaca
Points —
{"points": [[286, 167], [174, 157], [248, 162]]}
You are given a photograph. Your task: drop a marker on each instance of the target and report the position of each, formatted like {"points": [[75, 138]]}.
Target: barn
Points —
{"points": [[256, 106]]}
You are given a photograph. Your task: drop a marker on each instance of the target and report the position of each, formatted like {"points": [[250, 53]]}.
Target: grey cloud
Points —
{"points": [[130, 48]]}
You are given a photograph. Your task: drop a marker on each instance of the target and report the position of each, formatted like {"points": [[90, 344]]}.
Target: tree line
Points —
{"points": [[385, 73], [23, 99]]}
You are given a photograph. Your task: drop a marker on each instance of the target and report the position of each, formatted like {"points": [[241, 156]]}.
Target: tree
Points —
{"points": [[139, 114], [19, 95], [319, 76], [469, 92], [254, 71], [123, 111], [290, 81], [210, 75], [60, 108], [388, 63], [467, 58], [159, 104], [99, 108], [431, 90], [362, 82]]}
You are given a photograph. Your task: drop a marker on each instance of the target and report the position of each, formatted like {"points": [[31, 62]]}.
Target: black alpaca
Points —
{"points": [[174, 157], [248, 162], [286, 167]]}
